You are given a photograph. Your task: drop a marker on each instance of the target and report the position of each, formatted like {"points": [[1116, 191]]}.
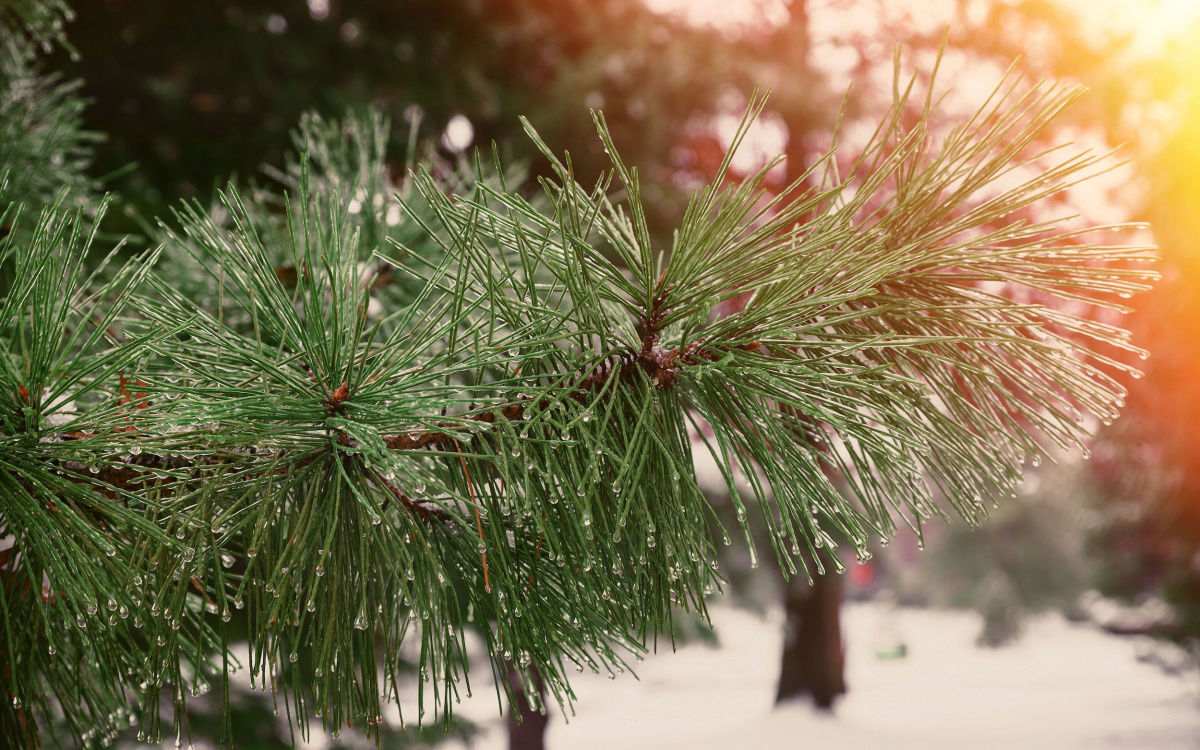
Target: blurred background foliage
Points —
{"points": [[196, 91]]}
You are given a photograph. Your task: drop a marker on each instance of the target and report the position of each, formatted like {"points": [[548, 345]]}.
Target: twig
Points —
{"points": [[487, 585]]}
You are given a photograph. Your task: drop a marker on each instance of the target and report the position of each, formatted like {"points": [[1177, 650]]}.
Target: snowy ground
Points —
{"points": [[1062, 686]]}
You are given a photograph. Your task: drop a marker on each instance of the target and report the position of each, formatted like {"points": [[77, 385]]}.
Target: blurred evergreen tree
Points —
{"points": [[1145, 475], [193, 91]]}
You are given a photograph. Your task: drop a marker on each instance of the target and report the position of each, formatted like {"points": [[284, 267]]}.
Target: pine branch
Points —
{"points": [[37, 22], [499, 437]]}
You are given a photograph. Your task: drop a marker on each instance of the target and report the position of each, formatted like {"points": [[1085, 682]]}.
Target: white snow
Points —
{"points": [[1062, 686]]}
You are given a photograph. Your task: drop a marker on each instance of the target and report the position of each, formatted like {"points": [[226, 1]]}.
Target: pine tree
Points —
{"points": [[362, 412]]}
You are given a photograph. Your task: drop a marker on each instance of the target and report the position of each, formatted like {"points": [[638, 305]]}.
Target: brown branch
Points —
{"points": [[415, 439], [662, 366], [418, 509], [336, 402], [536, 556], [487, 585]]}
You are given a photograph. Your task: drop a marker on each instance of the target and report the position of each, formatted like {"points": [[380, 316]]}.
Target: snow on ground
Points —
{"points": [[1062, 686]]}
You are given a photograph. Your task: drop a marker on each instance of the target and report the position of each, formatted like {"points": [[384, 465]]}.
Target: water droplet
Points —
{"points": [[516, 452], [360, 623], [587, 518], [320, 571], [225, 615], [16, 702], [741, 515]]}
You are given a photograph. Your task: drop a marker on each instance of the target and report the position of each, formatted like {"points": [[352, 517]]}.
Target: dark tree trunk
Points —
{"points": [[793, 44], [813, 655], [530, 732]]}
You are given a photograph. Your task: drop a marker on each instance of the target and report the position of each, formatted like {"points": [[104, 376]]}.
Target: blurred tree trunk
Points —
{"points": [[812, 662], [530, 732], [792, 43], [813, 655]]}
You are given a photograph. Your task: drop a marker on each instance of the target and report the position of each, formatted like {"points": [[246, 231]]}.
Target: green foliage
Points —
{"points": [[43, 147], [191, 118], [369, 422], [75, 551], [1028, 558], [69, 552], [38, 21]]}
